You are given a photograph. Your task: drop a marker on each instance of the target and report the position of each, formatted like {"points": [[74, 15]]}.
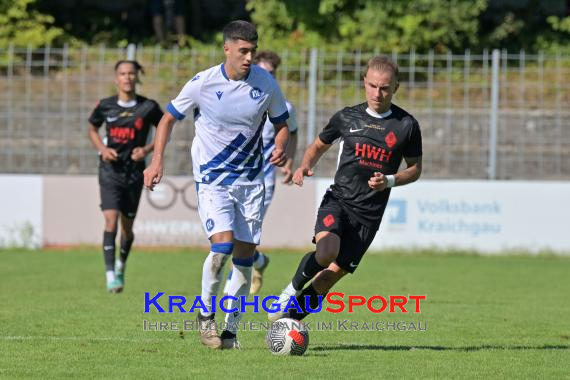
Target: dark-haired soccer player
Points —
{"points": [[128, 118], [270, 61], [230, 102], [376, 136]]}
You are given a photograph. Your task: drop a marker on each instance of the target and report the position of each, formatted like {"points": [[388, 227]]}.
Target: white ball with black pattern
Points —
{"points": [[287, 337]]}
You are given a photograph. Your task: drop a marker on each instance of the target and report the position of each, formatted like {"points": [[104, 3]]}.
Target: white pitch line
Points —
{"points": [[104, 339]]}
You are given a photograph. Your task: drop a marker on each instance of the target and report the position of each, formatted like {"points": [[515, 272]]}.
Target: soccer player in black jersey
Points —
{"points": [[375, 136], [128, 118]]}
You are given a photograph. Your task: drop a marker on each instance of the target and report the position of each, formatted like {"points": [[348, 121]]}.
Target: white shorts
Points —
{"points": [[236, 208], [269, 180]]}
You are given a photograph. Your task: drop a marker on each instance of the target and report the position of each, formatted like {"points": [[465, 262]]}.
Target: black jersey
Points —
{"points": [[126, 127], [369, 145]]}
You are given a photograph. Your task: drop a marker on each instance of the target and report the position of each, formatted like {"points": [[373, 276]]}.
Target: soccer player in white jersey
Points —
{"points": [[270, 61], [230, 102]]}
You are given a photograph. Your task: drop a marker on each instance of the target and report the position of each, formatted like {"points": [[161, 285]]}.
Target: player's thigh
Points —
{"points": [[248, 203], [216, 209], [329, 228], [110, 190], [354, 243], [130, 198]]}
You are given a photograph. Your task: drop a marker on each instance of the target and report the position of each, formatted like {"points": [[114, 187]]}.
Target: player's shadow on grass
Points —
{"points": [[375, 347]]}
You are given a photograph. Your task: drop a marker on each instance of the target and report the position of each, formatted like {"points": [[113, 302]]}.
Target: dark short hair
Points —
{"points": [[268, 56], [138, 67], [240, 30], [382, 63]]}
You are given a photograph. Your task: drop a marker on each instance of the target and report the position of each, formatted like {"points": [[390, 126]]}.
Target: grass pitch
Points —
{"points": [[486, 317]]}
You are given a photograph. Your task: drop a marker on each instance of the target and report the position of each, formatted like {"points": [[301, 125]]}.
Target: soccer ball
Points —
{"points": [[287, 337]]}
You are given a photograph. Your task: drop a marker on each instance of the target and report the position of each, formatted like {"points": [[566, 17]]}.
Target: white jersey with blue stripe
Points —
{"points": [[229, 116], [269, 142]]}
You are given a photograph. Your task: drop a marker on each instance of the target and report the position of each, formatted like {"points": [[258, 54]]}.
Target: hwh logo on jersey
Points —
{"points": [[122, 134], [371, 151]]}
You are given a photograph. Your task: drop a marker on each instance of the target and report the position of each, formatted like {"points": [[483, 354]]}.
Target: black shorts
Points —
{"points": [[355, 237], [120, 189]]}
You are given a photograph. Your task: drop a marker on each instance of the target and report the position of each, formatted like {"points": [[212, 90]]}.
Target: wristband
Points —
{"points": [[390, 181]]}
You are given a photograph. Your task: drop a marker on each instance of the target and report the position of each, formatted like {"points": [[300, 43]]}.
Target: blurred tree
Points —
{"points": [[521, 24], [23, 26], [557, 38], [390, 25]]}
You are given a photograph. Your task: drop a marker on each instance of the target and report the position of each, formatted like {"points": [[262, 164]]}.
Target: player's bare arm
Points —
{"points": [[153, 174], [107, 154], [380, 182], [310, 159], [279, 155], [287, 169]]}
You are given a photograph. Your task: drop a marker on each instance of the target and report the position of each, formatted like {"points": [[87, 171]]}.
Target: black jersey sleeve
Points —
{"points": [[97, 118], [331, 131], [155, 114], [414, 146]]}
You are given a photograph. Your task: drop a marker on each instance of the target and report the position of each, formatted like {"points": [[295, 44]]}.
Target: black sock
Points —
{"points": [[227, 335], [126, 248], [109, 249], [308, 268], [313, 303]]}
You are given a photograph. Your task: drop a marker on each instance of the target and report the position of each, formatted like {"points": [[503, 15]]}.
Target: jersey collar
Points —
{"points": [[129, 104], [378, 115], [223, 70]]}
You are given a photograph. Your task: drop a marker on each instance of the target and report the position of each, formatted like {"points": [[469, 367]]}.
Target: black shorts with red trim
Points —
{"points": [[355, 237]]}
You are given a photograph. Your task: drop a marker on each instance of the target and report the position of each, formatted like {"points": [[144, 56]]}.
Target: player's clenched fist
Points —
{"points": [[378, 182], [109, 155], [278, 157]]}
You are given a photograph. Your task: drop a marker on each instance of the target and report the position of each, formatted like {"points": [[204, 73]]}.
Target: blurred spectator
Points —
{"points": [[167, 14]]}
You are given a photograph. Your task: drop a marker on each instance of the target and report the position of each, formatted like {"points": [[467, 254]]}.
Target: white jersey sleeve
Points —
{"points": [[187, 99]]}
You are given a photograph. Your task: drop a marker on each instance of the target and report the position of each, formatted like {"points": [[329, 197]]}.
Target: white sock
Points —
{"points": [[228, 280], [290, 289], [260, 261], [211, 276], [119, 266], [110, 275], [239, 286]]}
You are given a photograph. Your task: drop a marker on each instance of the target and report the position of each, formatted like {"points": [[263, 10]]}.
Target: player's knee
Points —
{"points": [[111, 223], [326, 255], [127, 232], [328, 246], [111, 226]]}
